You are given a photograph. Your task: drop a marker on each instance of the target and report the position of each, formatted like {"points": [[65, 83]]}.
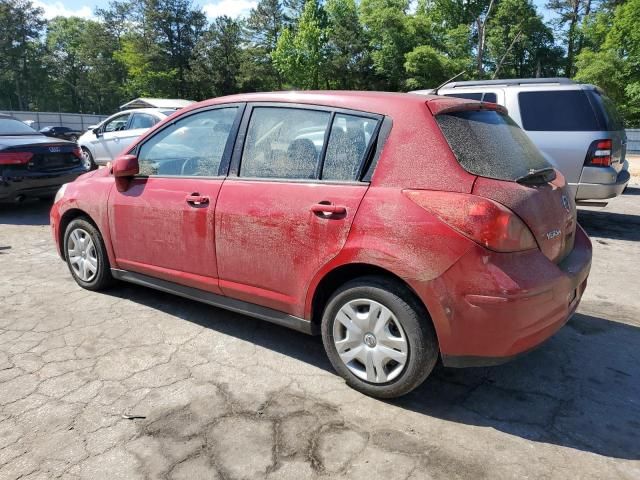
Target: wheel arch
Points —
{"points": [[342, 274], [68, 217]]}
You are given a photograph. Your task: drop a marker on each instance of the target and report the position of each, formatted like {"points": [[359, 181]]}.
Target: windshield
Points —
{"points": [[490, 144], [11, 126]]}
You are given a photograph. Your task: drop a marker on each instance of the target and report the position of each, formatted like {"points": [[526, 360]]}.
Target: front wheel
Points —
{"points": [[86, 255], [378, 337]]}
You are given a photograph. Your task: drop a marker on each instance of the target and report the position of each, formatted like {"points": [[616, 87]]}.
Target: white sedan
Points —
{"points": [[102, 143]]}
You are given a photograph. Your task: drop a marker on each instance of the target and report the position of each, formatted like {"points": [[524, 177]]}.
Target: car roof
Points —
{"points": [[382, 103]]}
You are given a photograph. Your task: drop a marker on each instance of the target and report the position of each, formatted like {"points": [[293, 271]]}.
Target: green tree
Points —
{"points": [[570, 14], [20, 53], [349, 62], [522, 47], [217, 60], [300, 55], [614, 64], [264, 27]]}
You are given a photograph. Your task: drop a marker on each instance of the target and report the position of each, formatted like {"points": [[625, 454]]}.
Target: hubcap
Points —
{"points": [[370, 341], [82, 254], [86, 159]]}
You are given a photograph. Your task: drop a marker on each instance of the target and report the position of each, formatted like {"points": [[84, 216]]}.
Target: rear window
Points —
{"points": [[11, 126], [557, 111], [488, 96], [490, 144]]}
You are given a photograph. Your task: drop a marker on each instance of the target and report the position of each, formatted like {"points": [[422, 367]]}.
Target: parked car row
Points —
{"points": [[402, 229]]}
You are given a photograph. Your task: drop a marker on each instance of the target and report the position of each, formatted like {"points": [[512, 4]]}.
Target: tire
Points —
{"points": [[73, 138], [88, 159], [409, 331], [96, 272]]}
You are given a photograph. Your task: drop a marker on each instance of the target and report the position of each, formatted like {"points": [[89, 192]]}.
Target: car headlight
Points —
{"points": [[60, 193]]}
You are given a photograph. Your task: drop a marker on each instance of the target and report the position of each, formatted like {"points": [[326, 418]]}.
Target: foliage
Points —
{"points": [[168, 48]]}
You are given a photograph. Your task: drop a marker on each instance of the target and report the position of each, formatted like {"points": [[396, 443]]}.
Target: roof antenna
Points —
{"points": [[435, 91]]}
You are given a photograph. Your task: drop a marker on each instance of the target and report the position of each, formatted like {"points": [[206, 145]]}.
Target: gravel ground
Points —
{"points": [[134, 383]]}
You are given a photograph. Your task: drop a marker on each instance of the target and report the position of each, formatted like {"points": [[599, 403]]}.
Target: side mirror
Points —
{"points": [[96, 131], [125, 166]]}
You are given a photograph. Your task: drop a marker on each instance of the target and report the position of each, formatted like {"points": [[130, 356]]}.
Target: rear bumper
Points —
{"points": [[15, 184], [496, 306], [602, 183]]}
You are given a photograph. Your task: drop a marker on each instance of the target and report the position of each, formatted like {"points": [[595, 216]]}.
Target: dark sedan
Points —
{"points": [[64, 133], [32, 165]]}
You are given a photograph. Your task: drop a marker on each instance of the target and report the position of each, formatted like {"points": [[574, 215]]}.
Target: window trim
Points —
{"points": [[223, 169], [236, 159]]}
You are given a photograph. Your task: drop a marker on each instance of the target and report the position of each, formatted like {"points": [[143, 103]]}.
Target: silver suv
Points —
{"points": [[575, 125]]}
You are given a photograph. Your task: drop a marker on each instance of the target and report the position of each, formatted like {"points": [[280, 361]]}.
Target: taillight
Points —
{"points": [[15, 158], [599, 154], [77, 152], [484, 221]]}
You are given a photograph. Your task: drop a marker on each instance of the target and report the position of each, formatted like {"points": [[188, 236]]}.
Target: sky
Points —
{"points": [[213, 8]]}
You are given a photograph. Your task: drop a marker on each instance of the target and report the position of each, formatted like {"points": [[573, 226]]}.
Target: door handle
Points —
{"points": [[197, 200], [328, 209]]}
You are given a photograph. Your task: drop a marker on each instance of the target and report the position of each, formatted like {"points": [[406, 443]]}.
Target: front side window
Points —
{"points": [[117, 124], [348, 142], [190, 146], [284, 143]]}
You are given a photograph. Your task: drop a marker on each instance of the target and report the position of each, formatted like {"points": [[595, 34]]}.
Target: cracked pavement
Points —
{"points": [[134, 383]]}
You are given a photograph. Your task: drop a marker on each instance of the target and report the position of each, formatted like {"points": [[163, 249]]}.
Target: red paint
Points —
{"points": [[272, 242]]}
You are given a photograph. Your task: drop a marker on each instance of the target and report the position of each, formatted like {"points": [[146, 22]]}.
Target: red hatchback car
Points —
{"points": [[401, 228]]}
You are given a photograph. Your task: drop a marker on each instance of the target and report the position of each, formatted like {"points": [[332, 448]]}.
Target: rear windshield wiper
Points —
{"points": [[542, 175]]}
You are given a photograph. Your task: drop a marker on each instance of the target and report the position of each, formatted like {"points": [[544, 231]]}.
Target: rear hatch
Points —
{"points": [[511, 171]]}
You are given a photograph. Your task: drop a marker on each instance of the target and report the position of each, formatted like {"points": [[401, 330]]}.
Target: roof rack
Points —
{"points": [[511, 81]]}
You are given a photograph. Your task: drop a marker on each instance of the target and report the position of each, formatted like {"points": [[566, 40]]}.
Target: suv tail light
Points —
{"points": [[484, 221], [15, 158], [599, 154]]}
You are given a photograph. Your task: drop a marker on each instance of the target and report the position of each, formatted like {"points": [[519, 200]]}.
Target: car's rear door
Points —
{"points": [[287, 206], [163, 223], [139, 124]]}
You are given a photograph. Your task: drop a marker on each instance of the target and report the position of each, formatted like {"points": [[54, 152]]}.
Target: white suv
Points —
{"points": [[575, 125], [103, 143]]}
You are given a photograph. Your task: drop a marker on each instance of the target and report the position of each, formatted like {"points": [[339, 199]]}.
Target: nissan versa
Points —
{"points": [[401, 228]]}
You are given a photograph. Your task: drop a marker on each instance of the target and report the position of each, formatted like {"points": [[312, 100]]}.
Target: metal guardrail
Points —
{"points": [[76, 121], [633, 140]]}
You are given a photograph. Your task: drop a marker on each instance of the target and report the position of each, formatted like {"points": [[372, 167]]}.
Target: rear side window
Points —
{"points": [[557, 111], [284, 143], [490, 144], [488, 96], [348, 143], [606, 110]]}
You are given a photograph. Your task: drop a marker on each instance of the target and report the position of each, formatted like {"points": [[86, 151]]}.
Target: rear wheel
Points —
{"points": [[87, 159], [86, 255], [378, 337]]}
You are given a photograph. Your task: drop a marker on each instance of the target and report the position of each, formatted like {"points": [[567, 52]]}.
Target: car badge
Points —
{"points": [[553, 234], [54, 149], [565, 203]]}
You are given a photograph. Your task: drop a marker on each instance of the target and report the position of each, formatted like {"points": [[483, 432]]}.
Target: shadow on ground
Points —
{"points": [[29, 212], [605, 224], [579, 390]]}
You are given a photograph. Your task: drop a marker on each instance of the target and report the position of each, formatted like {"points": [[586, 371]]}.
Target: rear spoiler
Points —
{"points": [[441, 105]]}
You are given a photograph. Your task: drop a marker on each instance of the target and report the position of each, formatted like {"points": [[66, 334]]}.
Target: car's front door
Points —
{"points": [[289, 207], [100, 143], [163, 223], [138, 124]]}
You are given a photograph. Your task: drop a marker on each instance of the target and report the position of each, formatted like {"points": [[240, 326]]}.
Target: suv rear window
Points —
{"points": [[608, 114], [557, 111], [490, 144], [488, 96]]}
